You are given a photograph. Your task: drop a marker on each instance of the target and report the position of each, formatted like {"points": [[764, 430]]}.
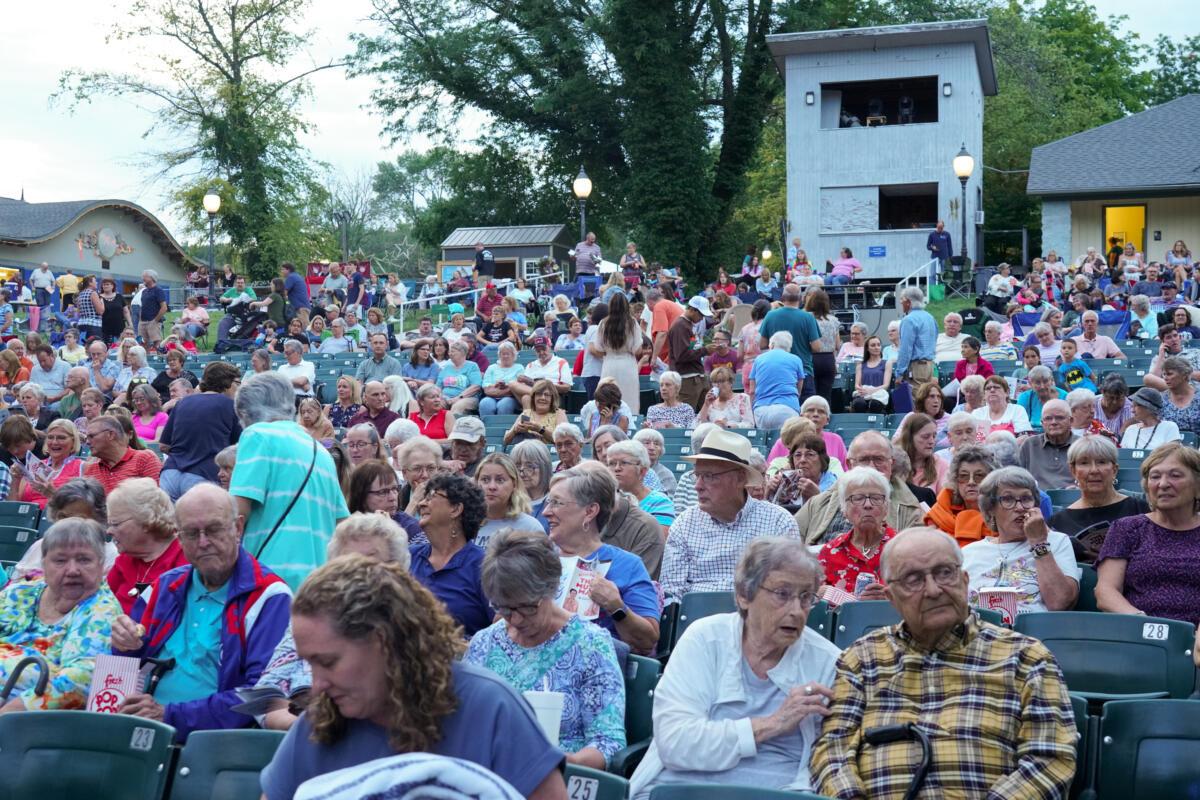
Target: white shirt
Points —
{"points": [[1013, 415], [451, 336], [41, 279], [1139, 437], [989, 563], [949, 348], [305, 369], [556, 370]]}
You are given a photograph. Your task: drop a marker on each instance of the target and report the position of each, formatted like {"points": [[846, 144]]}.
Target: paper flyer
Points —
{"points": [[576, 584]]}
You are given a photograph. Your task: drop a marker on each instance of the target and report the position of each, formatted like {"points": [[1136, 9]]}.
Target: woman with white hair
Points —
{"points": [[497, 382], [670, 413], [962, 429], [852, 351], [993, 348], [135, 368], [629, 462], [1143, 323], [1048, 347], [1041, 391], [1082, 403], [863, 495], [970, 394], [816, 409], [654, 443], [776, 381], [338, 341], [460, 380], [891, 351]]}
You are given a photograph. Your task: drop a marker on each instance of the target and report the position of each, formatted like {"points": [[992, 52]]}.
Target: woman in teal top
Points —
{"points": [[537, 646], [630, 463], [498, 397], [459, 378]]}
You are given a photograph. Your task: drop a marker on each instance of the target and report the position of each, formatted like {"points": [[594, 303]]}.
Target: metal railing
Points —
{"points": [[921, 277]]}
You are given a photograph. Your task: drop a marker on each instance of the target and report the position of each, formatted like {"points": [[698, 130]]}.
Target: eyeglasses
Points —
{"points": [[943, 575], [975, 477], [709, 477], [630, 464], [873, 461], [554, 502], [524, 611], [866, 499], [1009, 502], [358, 445], [420, 469], [210, 533], [527, 469], [805, 455], [782, 598], [384, 492]]}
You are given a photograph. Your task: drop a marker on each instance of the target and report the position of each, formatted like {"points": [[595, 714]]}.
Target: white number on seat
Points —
{"points": [[1155, 631], [579, 788], [142, 739]]}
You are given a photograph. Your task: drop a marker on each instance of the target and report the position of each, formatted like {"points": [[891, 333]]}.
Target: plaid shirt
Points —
{"points": [[702, 552], [993, 703]]}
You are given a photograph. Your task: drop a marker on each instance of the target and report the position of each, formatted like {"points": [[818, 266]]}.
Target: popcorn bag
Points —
{"points": [[114, 679]]}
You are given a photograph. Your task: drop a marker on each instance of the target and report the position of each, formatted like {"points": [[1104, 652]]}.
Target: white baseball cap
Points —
{"points": [[700, 304]]}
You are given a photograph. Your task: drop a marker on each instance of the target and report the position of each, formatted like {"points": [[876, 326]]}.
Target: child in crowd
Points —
{"points": [[1030, 358], [1073, 371]]}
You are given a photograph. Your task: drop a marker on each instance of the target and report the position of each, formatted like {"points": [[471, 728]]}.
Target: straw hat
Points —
{"points": [[730, 448]]}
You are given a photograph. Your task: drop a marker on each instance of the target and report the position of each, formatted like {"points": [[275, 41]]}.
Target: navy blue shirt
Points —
{"points": [[939, 244], [357, 289], [458, 584], [297, 291], [153, 298], [200, 426]]}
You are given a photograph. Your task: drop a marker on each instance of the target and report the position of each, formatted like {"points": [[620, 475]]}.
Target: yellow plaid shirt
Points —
{"points": [[992, 702]]}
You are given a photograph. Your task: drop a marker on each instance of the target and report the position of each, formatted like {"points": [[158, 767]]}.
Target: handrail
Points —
{"points": [[921, 273], [534, 280]]}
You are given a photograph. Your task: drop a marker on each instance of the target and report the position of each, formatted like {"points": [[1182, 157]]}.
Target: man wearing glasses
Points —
{"points": [[706, 541], [1045, 455], [992, 702]]}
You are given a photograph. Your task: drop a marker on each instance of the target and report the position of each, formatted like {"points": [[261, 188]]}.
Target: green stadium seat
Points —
{"points": [[855, 620], [584, 783], [1063, 497], [698, 605], [223, 765], [19, 515], [78, 754], [718, 791], [1117, 656], [641, 677], [14, 541], [1148, 749], [1086, 727], [1087, 589]]}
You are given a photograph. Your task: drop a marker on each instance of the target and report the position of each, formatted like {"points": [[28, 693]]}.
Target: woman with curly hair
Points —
{"points": [[386, 681]]}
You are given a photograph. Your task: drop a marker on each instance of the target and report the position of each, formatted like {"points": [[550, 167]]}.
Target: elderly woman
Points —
{"points": [[225, 461], [578, 507], [65, 617], [1041, 390], [852, 351], [1143, 323], [504, 493], [338, 341], [758, 673], [148, 417], [961, 430], [629, 462], [173, 371], [134, 368], [1094, 463], [311, 417], [808, 475], [994, 349], [1025, 554], [142, 525], [957, 509], [568, 446], [91, 405], [724, 407], [970, 392], [533, 466], [1147, 562], [917, 437], [33, 398], [863, 495], [373, 488], [1082, 403], [385, 679], [670, 413], [61, 465], [498, 397], [432, 416], [1182, 397], [419, 459], [460, 380], [537, 646], [260, 360], [1148, 430], [544, 415], [655, 445], [816, 409], [450, 510], [1048, 347]]}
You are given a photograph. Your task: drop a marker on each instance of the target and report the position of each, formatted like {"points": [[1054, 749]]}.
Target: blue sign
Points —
{"points": [[877, 251]]}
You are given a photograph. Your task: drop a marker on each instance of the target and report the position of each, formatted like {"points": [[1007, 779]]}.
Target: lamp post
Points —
{"points": [[964, 165], [212, 204], [342, 217], [582, 186]]}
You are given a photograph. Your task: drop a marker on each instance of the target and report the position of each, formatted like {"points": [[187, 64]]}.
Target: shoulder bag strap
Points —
{"points": [[291, 505]]}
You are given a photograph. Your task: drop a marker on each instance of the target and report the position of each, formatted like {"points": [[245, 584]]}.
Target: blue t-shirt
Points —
{"points": [[492, 726], [800, 324], [297, 291], [1076, 375], [637, 590], [153, 298], [455, 380], [457, 584], [775, 375], [200, 426], [420, 372]]}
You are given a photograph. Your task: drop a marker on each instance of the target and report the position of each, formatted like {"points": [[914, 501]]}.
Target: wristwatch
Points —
{"points": [[1041, 549], [619, 614]]}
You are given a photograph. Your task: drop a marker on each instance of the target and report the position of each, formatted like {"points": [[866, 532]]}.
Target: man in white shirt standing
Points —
{"points": [[302, 374], [41, 280]]}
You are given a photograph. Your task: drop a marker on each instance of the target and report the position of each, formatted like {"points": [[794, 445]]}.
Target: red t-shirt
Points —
{"points": [[435, 428], [134, 464], [127, 572]]}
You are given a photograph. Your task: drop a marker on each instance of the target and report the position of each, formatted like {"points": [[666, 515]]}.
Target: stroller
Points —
{"points": [[239, 327]]}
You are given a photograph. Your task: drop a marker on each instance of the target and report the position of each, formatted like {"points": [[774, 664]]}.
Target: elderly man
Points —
{"points": [[548, 367], [115, 461], [176, 391], [949, 344], [380, 365], [821, 519], [285, 483], [706, 541], [993, 349], [102, 371], [630, 528], [918, 339], [71, 405], [1000, 693], [355, 332], [154, 308], [468, 441], [220, 619], [1092, 342], [375, 399], [300, 373], [50, 373], [776, 383], [1045, 455]]}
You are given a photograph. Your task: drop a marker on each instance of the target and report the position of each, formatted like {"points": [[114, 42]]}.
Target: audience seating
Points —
{"points": [[1087, 589], [14, 541], [641, 677], [1117, 656], [697, 605], [223, 765], [78, 754], [1085, 759], [1148, 749], [855, 620], [719, 791], [584, 783], [19, 515]]}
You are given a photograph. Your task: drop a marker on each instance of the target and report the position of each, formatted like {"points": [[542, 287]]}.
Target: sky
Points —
{"points": [[98, 151]]}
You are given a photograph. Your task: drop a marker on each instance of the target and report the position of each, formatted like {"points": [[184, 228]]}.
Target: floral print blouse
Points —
{"points": [[678, 416], [69, 645], [578, 661], [341, 415]]}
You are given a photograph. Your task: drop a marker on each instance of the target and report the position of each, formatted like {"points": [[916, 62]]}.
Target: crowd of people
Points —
{"points": [[396, 577]]}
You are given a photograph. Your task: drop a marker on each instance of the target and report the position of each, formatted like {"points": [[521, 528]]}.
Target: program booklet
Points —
{"points": [[576, 584]]}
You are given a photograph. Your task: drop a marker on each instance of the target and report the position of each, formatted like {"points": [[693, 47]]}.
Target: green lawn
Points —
{"points": [[943, 307]]}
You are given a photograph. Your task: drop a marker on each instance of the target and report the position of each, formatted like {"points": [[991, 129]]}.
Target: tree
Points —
{"points": [[222, 89], [1176, 70]]}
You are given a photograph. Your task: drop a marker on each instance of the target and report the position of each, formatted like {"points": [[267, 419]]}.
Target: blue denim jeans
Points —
{"points": [[176, 483], [490, 406]]}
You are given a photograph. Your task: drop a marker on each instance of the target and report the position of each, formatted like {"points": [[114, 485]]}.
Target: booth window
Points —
{"points": [[908, 205], [901, 101]]}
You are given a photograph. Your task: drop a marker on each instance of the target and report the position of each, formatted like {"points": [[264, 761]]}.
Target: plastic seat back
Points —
{"points": [[1086, 728], [1087, 589], [78, 754], [584, 783], [855, 620], [19, 515], [223, 765], [1149, 749], [697, 605], [1114, 656], [15, 541]]}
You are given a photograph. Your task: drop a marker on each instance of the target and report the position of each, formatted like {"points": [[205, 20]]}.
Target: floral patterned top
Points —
{"points": [[679, 416], [843, 561], [578, 661], [341, 415], [286, 671], [69, 645]]}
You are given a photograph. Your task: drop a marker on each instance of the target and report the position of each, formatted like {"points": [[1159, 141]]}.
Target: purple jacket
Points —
{"points": [[257, 611]]}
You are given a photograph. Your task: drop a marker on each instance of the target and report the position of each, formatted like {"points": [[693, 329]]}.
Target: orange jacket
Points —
{"points": [[964, 524]]}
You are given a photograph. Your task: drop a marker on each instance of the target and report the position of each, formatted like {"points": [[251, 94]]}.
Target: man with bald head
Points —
{"points": [[821, 519], [1045, 455], [1000, 693], [375, 399]]}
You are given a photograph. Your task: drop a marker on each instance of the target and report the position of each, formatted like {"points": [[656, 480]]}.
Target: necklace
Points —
{"points": [[1004, 557], [140, 584], [1137, 439]]}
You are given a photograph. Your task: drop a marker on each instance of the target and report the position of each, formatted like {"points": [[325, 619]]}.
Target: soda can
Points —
{"points": [[863, 580]]}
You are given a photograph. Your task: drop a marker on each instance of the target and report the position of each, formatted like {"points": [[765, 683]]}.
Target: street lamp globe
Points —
{"points": [[212, 203], [964, 164], [582, 185], [766, 254]]}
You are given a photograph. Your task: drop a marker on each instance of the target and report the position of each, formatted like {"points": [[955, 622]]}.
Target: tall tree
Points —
{"points": [[1176, 69], [222, 89]]}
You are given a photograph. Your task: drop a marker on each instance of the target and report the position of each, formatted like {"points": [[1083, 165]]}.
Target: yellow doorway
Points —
{"points": [[1126, 223]]}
